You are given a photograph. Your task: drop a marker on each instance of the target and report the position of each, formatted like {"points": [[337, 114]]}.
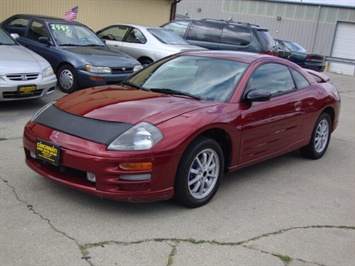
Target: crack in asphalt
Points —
{"points": [[174, 242]]}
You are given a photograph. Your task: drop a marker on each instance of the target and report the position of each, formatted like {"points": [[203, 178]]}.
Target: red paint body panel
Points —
{"points": [[252, 132]]}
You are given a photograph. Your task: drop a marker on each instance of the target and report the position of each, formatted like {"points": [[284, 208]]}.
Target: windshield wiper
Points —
{"points": [[93, 45], [131, 84], [68, 44], [175, 92]]}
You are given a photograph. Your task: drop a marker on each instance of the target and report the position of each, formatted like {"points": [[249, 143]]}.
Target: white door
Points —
{"points": [[344, 47]]}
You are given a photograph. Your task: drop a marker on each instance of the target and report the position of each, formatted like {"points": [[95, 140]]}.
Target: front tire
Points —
{"points": [[67, 79], [320, 138], [145, 61], [199, 173]]}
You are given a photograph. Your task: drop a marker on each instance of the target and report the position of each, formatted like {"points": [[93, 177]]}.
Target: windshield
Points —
{"points": [[74, 35], [167, 37], [204, 78], [292, 46], [5, 39]]}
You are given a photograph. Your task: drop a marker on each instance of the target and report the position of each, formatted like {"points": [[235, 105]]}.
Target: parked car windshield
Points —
{"points": [[204, 78], [5, 39], [292, 46], [167, 37], [74, 35]]}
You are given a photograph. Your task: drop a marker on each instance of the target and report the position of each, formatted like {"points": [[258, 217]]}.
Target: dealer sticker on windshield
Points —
{"points": [[48, 152]]}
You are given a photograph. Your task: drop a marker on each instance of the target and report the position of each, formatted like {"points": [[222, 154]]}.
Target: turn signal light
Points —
{"points": [[136, 166]]}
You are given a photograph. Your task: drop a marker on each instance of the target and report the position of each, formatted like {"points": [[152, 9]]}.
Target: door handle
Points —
{"points": [[298, 106]]}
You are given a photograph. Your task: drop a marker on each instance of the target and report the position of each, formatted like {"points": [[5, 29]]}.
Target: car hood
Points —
{"points": [[18, 59], [102, 56], [132, 106]]}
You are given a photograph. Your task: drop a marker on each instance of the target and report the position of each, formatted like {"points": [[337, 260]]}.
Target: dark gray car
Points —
{"points": [[79, 58]]}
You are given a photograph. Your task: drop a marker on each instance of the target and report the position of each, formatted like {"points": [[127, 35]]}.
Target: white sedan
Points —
{"points": [[23, 73], [144, 43]]}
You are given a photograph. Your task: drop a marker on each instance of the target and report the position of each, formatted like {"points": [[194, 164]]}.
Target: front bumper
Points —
{"points": [[75, 163], [87, 79], [9, 90]]}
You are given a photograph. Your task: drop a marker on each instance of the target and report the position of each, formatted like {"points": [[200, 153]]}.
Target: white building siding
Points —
{"points": [[312, 26]]}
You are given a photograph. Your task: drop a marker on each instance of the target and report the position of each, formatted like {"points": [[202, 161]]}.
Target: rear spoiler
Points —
{"points": [[319, 77]]}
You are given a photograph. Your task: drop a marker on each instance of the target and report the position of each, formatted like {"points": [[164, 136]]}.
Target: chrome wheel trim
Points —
{"points": [[321, 136], [66, 79], [203, 174]]}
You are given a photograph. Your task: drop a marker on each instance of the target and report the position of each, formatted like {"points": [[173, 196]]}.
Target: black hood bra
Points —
{"points": [[99, 131]]}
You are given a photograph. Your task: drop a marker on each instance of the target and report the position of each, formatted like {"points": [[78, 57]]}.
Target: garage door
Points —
{"points": [[343, 47]]}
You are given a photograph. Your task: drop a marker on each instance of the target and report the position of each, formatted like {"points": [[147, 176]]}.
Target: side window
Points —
{"points": [[114, 33], [301, 81], [18, 25], [37, 30], [237, 35], [275, 78], [205, 31], [178, 27], [136, 36]]}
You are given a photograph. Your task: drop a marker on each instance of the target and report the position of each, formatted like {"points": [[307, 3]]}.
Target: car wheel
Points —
{"points": [[145, 61], [67, 79], [199, 173], [320, 138]]}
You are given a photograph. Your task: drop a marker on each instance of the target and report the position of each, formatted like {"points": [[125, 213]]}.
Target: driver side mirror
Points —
{"points": [[45, 40], [15, 36], [258, 95]]}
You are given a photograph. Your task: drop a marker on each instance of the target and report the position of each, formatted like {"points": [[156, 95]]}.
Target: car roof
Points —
{"points": [[44, 18], [138, 26], [246, 24], [246, 57]]}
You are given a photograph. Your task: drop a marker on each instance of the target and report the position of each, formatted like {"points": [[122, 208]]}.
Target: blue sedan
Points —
{"points": [[79, 58]]}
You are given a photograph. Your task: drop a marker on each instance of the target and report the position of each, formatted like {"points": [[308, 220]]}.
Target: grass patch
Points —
{"points": [[3, 138], [284, 258]]}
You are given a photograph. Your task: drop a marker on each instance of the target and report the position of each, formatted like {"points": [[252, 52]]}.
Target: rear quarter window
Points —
{"points": [[300, 80]]}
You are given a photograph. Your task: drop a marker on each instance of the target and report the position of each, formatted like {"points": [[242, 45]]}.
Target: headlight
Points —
{"points": [[96, 69], [137, 68], [140, 137], [47, 72], [40, 111]]}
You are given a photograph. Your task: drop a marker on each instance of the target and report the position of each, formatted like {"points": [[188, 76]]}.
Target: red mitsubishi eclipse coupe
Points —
{"points": [[174, 128]]}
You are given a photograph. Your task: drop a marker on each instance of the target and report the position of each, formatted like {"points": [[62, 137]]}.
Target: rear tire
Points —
{"points": [[199, 173], [318, 145]]}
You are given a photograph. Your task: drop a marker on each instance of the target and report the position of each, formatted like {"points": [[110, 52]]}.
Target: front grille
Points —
{"points": [[122, 70], [22, 77]]}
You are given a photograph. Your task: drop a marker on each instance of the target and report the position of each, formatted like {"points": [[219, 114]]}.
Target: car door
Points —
{"points": [[272, 126], [114, 35], [37, 29], [134, 43]]}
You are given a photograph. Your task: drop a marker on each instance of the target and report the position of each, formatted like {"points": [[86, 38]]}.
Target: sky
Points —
{"points": [[328, 2]]}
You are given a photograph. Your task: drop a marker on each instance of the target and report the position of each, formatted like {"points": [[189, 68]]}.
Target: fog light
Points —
{"points": [[33, 155], [135, 177], [91, 177]]}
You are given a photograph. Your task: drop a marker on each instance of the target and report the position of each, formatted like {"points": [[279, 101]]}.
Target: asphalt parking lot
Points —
{"points": [[285, 211]]}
